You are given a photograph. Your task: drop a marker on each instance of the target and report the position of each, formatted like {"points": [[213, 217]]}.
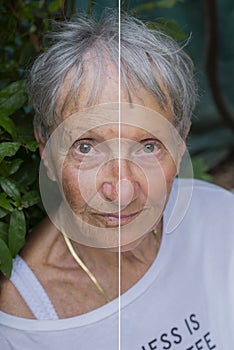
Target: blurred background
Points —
{"points": [[209, 25]]}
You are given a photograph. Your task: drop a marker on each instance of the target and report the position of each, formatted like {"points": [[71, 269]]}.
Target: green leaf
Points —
{"points": [[28, 173], [4, 169], [151, 5], [200, 169], [3, 213], [169, 27], [32, 146], [11, 188], [167, 3], [10, 90], [55, 5], [14, 166], [5, 259], [25, 133], [8, 168], [29, 199], [4, 231], [8, 149], [4, 202], [17, 231], [7, 124], [12, 98]]}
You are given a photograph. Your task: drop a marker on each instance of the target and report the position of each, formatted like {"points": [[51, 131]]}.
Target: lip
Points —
{"points": [[115, 220]]}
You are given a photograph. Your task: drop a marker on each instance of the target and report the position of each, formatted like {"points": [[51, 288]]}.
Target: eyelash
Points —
{"points": [[157, 144]]}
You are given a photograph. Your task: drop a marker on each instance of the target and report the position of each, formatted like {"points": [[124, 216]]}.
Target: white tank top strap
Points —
{"points": [[32, 291]]}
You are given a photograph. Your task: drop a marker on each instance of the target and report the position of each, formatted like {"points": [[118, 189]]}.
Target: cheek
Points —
{"points": [[170, 171], [160, 181], [78, 185], [70, 187]]}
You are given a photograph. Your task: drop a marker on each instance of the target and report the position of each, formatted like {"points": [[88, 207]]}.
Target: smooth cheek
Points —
{"points": [[160, 181], [170, 172]]}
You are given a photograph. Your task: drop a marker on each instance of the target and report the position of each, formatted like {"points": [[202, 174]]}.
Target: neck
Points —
{"points": [[143, 251], [132, 265], [104, 264]]}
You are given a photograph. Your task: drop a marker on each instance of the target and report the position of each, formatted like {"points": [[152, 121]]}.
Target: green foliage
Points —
{"points": [[22, 25], [151, 5], [17, 194], [5, 258], [200, 169], [169, 27]]}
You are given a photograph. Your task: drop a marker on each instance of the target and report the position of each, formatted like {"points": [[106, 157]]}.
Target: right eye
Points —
{"points": [[84, 147], [87, 152]]}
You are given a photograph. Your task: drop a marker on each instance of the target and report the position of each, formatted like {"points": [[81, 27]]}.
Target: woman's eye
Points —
{"points": [[84, 148], [149, 148]]}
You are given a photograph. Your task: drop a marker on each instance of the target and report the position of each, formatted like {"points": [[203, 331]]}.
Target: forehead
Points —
{"points": [[106, 124], [102, 86], [115, 121]]}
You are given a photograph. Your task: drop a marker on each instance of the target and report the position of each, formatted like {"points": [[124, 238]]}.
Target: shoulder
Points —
{"points": [[204, 226], [207, 187], [204, 195], [210, 198], [210, 212], [38, 243], [10, 300], [200, 205]]}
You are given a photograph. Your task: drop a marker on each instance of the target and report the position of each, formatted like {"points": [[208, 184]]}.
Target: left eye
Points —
{"points": [[149, 148]]}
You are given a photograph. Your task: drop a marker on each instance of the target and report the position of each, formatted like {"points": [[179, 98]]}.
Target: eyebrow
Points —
{"points": [[84, 133]]}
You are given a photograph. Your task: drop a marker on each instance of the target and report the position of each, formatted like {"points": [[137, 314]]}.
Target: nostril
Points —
{"points": [[109, 192], [122, 192]]}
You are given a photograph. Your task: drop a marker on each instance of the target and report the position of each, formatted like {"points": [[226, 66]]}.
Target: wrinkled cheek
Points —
{"points": [[70, 188], [77, 187]]}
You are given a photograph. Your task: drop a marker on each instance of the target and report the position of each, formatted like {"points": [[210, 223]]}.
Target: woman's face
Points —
{"points": [[120, 160]]}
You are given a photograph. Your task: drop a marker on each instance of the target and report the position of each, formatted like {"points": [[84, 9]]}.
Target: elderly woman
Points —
{"points": [[129, 257]]}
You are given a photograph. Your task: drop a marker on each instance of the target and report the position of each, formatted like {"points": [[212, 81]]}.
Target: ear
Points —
{"points": [[183, 145], [182, 149], [42, 143]]}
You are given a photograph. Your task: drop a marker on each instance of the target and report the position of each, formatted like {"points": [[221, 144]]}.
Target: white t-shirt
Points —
{"points": [[185, 301]]}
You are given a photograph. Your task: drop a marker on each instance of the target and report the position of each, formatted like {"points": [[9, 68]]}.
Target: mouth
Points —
{"points": [[117, 219]]}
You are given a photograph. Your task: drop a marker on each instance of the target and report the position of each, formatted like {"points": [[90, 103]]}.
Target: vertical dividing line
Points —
{"points": [[119, 177]]}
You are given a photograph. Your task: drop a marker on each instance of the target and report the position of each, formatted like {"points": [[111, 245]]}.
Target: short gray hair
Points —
{"points": [[144, 52]]}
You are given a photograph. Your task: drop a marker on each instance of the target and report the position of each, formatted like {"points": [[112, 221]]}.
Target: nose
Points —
{"points": [[118, 183], [125, 192]]}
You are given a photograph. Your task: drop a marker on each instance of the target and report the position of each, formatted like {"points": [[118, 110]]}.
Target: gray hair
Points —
{"points": [[148, 57]]}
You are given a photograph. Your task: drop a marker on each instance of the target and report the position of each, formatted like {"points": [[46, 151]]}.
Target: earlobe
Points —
{"points": [[42, 143]]}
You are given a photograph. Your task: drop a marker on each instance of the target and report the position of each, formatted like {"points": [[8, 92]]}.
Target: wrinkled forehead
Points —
{"points": [[118, 121], [117, 114]]}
